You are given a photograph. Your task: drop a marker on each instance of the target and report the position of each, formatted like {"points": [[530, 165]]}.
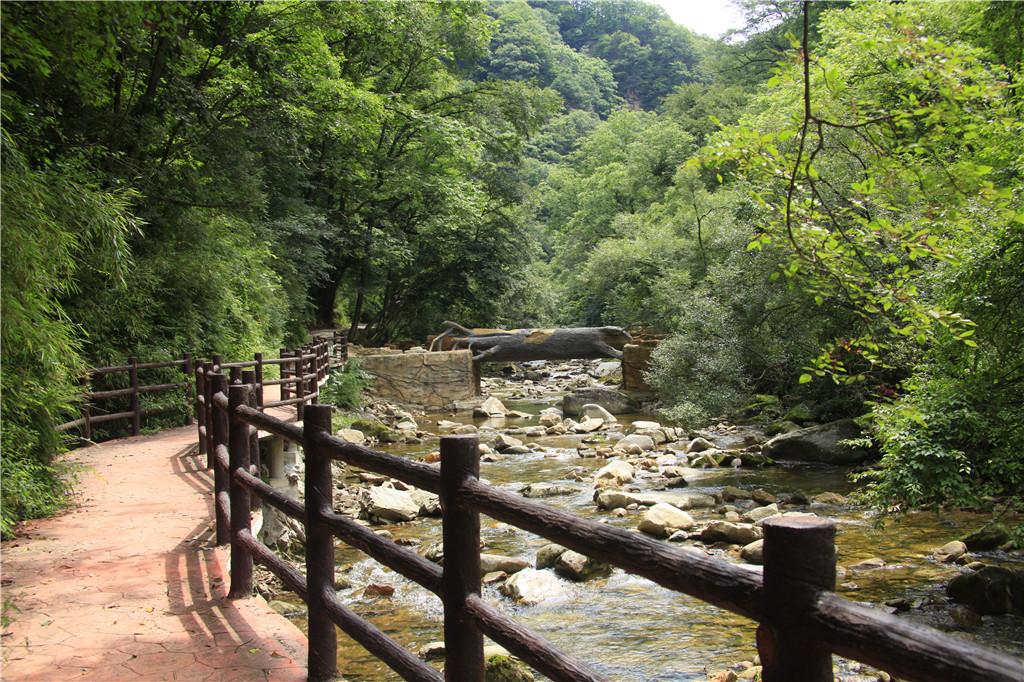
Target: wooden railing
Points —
{"points": [[133, 392], [302, 371], [802, 622]]}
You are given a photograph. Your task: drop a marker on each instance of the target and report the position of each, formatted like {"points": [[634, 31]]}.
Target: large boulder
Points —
{"points": [[820, 444], [388, 504], [530, 586], [992, 590], [610, 399], [663, 519], [986, 538]]}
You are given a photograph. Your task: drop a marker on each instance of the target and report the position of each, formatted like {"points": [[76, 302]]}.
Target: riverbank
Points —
{"points": [[630, 628]]}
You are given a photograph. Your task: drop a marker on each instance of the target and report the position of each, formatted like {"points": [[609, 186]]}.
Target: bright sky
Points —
{"points": [[710, 17]]}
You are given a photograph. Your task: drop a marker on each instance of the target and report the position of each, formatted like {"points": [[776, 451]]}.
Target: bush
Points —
{"points": [[344, 388], [949, 440]]}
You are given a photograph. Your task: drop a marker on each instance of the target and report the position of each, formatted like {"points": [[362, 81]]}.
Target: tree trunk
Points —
{"points": [[521, 345], [324, 294]]}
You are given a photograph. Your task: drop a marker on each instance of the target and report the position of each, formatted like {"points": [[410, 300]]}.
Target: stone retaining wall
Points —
{"points": [[430, 379]]}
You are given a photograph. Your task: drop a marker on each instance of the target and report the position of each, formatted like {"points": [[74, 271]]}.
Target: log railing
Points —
{"points": [[302, 372], [133, 392], [801, 621]]}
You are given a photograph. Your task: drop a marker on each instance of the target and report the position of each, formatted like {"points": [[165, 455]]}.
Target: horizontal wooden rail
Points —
{"points": [[242, 364], [717, 582], [142, 365], [265, 422], [132, 392], [291, 577], [418, 474], [802, 622], [275, 498], [905, 649], [377, 643], [533, 649], [399, 559], [285, 403], [154, 388]]}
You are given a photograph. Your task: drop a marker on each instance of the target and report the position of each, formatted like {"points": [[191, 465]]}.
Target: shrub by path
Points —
{"points": [[129, 586]]}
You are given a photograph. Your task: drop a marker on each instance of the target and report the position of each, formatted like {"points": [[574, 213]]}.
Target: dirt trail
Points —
{"points": [[129, 586]]}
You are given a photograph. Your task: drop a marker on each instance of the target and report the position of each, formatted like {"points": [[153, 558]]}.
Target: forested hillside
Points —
{"points": [[823, 211]]}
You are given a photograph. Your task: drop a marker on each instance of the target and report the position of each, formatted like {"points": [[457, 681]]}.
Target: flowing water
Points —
{"points": [[627, 627]]}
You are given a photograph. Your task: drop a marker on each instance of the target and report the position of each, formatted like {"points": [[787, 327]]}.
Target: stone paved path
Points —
{"points": [[129, 587]]}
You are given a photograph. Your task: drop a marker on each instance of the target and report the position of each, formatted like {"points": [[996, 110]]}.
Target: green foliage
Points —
{"points": [[949, 440], [647, 52], [344, 387], [58, 224]]}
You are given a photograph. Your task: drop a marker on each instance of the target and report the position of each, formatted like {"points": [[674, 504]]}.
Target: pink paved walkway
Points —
{"points": [[128, 585]]}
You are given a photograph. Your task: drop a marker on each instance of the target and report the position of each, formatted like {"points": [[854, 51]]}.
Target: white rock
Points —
{"points": [[588, 426], [753, 553], [530, 586], [490, 563], [761, 513], [645, 443], [618, 471], [663, 519], [352, 436], [388, 504], [548, 419], [503, 442], [699, 445], [645, 425], [735, 533], [593, 411], [492, 407]]}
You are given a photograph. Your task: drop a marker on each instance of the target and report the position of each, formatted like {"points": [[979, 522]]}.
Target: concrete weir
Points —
{"points": [[430, 379]]}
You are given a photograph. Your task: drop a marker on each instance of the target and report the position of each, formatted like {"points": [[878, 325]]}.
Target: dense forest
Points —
{"points": [[823, 210]]}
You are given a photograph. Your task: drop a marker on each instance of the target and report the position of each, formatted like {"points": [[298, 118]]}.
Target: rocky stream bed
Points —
{"points": [[707, 490]]}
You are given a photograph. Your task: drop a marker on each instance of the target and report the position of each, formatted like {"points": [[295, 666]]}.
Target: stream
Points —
{"points": [[627, 627]]}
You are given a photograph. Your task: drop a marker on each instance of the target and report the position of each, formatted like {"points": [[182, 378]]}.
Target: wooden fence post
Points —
{"points": [[463, 642], [186, 370], [300, 385], [238, 445], [208, 411], [249, 379], [221, 476], [285, 390], [799, 562], [200, 376], [216, 363], [86, 409], [323, 646], [258, 357], [133, 375]]}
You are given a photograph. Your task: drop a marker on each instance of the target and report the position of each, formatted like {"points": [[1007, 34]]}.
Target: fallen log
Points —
{"points": [[520, 345]]}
